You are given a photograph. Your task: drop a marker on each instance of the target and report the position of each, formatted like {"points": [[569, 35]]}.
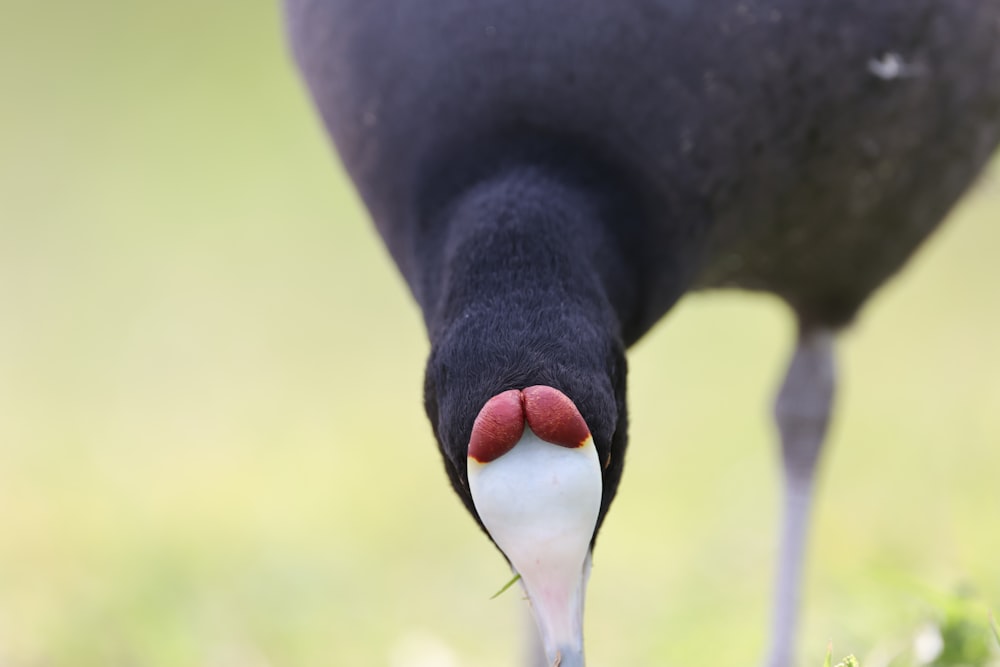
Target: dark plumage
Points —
{"points": [[552, 176]]}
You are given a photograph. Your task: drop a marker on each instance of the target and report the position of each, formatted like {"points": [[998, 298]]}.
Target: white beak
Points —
{"points": [[540, 503]]}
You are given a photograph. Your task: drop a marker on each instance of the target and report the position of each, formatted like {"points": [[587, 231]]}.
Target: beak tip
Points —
{"points": [[568, 656]]}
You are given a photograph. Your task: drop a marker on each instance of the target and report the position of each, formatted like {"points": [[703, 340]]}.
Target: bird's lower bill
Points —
{"points": [[559, 616], [540, 503]]}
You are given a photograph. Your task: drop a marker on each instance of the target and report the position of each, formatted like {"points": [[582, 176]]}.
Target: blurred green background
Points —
{"points": [[212, 448]]}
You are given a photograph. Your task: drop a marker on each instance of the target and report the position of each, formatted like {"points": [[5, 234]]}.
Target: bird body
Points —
{"points": [[741, 132], [550, 177]]}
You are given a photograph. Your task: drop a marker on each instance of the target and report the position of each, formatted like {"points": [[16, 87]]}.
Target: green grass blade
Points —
{"points": [[829, 652], [505, 587], [995, 626]]}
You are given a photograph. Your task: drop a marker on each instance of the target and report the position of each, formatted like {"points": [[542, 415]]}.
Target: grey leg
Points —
{"points": [[802, 412]]}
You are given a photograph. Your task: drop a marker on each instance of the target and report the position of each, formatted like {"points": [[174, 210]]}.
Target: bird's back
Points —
{"points": [[799, 147]]}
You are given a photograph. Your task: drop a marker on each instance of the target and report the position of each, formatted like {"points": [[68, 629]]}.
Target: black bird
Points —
{"points": [[551, 177]]}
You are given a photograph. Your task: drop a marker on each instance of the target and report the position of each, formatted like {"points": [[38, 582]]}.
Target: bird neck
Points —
{"points": [[525, 285], [524, 244]]}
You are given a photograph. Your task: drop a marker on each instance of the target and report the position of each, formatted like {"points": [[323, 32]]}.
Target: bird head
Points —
{"points": [[537, 464]]}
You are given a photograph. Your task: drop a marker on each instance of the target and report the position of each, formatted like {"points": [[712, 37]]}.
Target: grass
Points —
{"points": [[211, 443], [849, 661], [960, 636]]}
